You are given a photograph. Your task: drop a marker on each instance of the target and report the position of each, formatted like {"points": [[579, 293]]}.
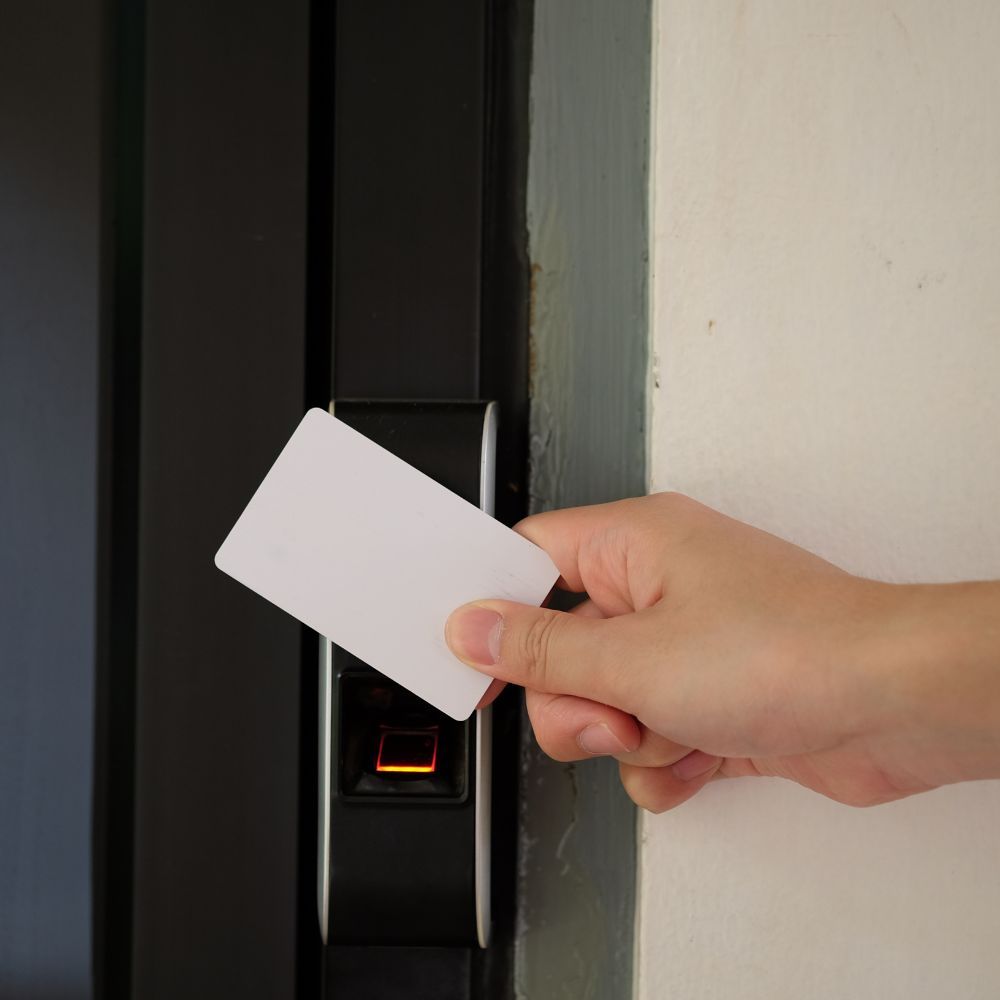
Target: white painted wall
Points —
{"points": [[826, 316]]}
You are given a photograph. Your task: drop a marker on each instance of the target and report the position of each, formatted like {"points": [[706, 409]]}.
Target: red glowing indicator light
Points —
{"points": [[407, 751]]}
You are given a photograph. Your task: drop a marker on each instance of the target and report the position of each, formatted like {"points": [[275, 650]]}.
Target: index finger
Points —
{"points": [[590, 548]]}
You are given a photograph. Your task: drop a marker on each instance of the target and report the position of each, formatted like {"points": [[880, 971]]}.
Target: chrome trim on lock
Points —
{"points": [[325, 783], [325, 780], [484, 728]]}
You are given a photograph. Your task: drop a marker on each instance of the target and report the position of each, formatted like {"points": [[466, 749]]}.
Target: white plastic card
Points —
{"points": [[375, 555]]}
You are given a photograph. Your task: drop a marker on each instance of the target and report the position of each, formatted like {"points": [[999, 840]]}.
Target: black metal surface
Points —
{"points": [[442, 438], [408, 198], [506, 271], [402, 867], [50, 221], [217, 732], [117, 528], [387, 973]]}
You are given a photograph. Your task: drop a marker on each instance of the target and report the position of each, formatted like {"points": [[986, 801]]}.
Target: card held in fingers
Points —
{"points": [[373, 554]]}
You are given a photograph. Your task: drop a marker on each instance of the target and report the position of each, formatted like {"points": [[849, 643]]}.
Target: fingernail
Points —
{"points": [[599, 741], [694, 765], [474, 635]]}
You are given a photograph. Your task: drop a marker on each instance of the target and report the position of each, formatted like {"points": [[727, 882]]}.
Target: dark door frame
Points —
{"points": [[302, 199]]}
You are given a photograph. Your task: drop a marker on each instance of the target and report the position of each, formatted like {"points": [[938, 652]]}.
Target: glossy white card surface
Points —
{"points": [[375, 555]]}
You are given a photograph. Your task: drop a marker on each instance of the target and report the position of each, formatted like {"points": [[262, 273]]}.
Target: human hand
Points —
{"points": [[707, 648]]}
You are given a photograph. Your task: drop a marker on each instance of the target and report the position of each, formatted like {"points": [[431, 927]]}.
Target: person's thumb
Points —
{"points": [[544, 650]]}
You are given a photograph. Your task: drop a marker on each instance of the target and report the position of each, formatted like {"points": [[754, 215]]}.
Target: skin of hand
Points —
{"points": [[706, 648]]}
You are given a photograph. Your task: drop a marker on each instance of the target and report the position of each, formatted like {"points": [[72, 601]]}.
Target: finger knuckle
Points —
{"points": [[648, 803], [551, 747], [536, 649], [644, 792], [549, 729], [862, 797], [673, 501], [656, 757]]}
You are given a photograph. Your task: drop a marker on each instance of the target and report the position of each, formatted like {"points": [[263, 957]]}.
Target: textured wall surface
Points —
{"points": [[587, 216], [826, 318]]}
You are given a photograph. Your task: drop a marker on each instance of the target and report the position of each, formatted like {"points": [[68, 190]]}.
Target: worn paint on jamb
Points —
{"points": [[587, 215]]}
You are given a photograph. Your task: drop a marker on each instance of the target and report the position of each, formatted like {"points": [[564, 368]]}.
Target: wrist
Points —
{"points": [[931, 654]]}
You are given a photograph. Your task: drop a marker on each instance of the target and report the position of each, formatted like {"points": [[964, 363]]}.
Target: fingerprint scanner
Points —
{"points": [[407, 751]]}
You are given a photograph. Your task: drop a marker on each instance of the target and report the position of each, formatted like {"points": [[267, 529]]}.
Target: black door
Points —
{"points": [[212, 217]]}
